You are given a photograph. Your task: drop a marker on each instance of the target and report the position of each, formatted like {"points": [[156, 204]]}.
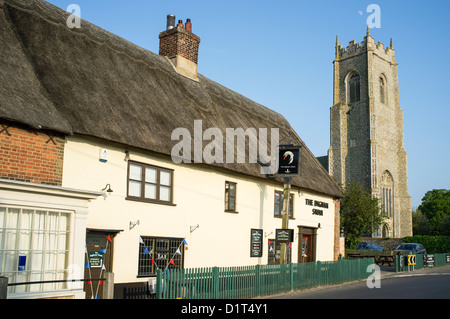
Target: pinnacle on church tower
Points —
{"points": [[337, 47]]}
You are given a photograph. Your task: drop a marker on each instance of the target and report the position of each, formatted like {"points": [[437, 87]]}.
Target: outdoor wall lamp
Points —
{"points": [[107, 188]]}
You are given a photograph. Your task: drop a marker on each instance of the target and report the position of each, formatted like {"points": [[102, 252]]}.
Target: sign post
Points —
{"points": [[411, 261], [288, 165], [285, 217]]}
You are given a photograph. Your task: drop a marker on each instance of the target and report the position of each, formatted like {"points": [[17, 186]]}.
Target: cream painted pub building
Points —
{"points": [[87, 181]]}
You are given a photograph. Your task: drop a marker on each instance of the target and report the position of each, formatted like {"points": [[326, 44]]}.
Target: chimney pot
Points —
{"points": [[188, 25], [170, 21], [180, 24]]}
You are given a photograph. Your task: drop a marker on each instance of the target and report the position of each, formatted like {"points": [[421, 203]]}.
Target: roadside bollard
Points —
{"points": [[3, 287]]}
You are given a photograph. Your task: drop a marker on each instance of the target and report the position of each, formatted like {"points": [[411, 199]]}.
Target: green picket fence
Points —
{"points": [[253, 281], [422, 261]]}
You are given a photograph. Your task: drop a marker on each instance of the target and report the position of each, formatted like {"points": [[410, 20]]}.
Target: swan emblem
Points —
{"points": [[291, 156]]}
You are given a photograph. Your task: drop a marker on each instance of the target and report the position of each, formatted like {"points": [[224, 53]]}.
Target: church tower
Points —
{"points": [[366, 121]]}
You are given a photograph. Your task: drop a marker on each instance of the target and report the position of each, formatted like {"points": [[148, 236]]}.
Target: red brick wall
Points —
{"points": [[178, 41], [30, 156]]}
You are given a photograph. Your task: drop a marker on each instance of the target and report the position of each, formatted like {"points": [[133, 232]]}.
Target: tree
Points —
{"points": [[436, 207], [360, 213], [444, 229], [421, 224]]}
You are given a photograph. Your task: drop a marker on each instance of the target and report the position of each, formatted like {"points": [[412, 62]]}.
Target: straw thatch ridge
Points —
{"points": [[90, 82]]}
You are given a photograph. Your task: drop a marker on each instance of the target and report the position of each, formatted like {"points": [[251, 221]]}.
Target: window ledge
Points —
{"points": [[280, 217], [151, 201]]}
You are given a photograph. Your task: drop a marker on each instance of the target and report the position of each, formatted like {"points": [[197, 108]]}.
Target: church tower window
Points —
{"points": [[387, 195], [383, 95], [354, 93]]}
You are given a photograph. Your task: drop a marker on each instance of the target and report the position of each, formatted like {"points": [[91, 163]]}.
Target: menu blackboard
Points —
{"points": [[256, 236]]}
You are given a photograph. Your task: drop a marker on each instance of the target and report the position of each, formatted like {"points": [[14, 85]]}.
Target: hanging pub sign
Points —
{"points": [[288, 160], [256, 236], [284, 235]]}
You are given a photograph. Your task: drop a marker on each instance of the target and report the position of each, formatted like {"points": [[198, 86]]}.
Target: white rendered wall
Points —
{"points": [[222, 238]]}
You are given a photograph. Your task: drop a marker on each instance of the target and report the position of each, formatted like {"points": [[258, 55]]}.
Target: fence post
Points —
{"points": [[159, 284], [291, 270], [3, 287], [319, 272], [215, 292], [258, 280]]}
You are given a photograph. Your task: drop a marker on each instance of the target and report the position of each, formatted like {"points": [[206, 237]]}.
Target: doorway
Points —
{"points": [[98, 260], [307, 237]]}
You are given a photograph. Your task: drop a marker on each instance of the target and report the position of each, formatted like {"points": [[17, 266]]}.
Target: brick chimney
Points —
{"points": [[180, 46]]}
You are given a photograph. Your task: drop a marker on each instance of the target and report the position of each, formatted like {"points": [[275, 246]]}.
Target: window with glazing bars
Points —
{"points": [[230, 197], [34, 246], [278, 204], [386, 199], [160, 253], [273, 255], [150, 183]]}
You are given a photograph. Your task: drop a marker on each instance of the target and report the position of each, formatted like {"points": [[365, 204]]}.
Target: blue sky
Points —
{"points": [[280, 53]]}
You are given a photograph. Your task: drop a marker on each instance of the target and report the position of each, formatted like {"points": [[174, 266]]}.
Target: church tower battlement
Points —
{"points": [[368, 44], [366, 129]]}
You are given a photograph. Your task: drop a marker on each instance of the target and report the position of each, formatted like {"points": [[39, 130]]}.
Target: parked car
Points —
{"points": [[410, 248], [369, 247]]}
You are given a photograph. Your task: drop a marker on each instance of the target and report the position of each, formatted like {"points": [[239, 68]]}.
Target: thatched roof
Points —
{"points": [[88, 81]]}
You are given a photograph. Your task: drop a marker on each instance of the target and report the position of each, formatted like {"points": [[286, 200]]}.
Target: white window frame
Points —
{"points": [[31, 196], [11, 243]]}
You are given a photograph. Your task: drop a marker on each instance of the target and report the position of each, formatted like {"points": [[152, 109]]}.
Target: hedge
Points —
{"points": [[433, 244]]}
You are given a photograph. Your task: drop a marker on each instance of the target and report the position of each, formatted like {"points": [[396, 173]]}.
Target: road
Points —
{"points": [[428, 283]]}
